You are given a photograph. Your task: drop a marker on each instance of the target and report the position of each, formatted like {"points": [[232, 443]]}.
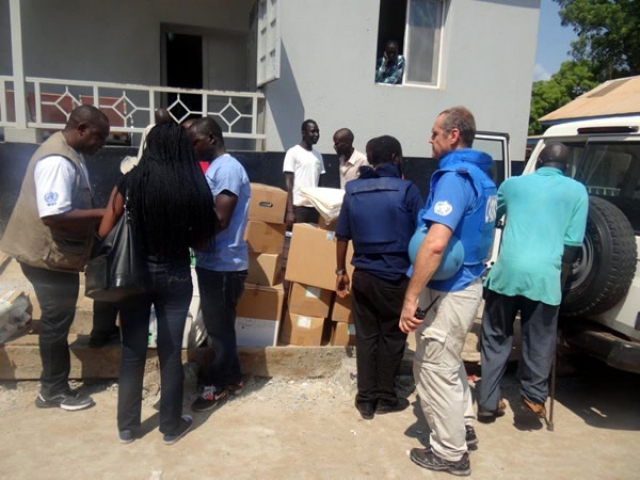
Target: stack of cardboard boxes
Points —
{"points": [[315, 315], [260, 308]]}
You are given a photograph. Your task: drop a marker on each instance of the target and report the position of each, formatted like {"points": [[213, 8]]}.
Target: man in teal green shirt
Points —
{"points": [[546, 216]]}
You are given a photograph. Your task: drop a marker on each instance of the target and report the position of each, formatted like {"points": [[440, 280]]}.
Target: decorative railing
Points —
{"points": [[131, 108], [7, 107]]}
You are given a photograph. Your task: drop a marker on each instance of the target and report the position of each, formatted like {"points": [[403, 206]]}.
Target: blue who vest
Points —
{"points": [[391, 227], [476, 228]]}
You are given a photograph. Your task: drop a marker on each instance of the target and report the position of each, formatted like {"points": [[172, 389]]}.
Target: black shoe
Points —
{"points": [[427, 458], [126, 436], [471, 438], [366, 409], [487, 416], [99, 341], [186, 422], [70, 401], [397, 406], [210, 398]]}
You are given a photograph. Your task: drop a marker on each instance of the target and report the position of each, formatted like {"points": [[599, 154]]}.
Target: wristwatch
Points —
{"points": [[340, 271]]}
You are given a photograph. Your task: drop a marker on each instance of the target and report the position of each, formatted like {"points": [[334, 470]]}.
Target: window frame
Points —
{"points": [[407, 48]]}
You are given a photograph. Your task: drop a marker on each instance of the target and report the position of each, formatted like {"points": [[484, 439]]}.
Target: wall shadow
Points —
{"points": [[285, 102]]}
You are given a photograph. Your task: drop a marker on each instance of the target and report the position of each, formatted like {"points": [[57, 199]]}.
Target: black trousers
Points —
{"points": [[306, 214], [104, 319], [380, 343], [57, 294], [220, 293]]}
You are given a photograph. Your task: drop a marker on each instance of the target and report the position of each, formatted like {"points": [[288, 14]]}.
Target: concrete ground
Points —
{"points": [[308, 429]]}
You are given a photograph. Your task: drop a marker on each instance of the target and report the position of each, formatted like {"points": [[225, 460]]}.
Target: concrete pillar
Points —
{"points": [[20, 133], [18, 66]]}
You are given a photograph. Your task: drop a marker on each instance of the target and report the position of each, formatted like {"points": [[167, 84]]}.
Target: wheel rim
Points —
{"points": [[584, 264]]}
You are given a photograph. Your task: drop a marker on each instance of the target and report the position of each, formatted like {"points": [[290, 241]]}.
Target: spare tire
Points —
{"points": [[603, 273]]}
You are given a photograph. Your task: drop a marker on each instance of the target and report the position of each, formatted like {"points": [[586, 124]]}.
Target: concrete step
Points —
{"points": [[20, 360]]}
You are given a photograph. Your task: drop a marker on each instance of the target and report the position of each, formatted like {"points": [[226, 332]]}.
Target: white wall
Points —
{"points": [[114, 40], [328, 63]]}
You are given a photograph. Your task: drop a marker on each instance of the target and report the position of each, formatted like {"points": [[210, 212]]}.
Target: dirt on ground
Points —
{"points": [[279, 428]]}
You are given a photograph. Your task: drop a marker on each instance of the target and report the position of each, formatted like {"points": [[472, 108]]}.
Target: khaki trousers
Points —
{"points": [[438, 368]]}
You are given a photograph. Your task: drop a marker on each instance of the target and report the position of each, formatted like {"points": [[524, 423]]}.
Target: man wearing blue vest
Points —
{"points": [[378, 215], [546, 221], [461, 206]]}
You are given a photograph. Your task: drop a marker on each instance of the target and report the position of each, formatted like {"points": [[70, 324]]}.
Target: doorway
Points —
{"points": [[183, 68]]}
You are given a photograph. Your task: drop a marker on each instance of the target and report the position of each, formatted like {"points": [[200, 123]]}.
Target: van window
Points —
{"points": [[611, 170]]}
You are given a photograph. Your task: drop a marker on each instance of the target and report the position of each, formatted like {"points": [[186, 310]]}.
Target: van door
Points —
{"points": [[496, 145]]}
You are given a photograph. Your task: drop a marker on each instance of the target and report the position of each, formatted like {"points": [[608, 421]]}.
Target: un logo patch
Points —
{"points": [[492, 209], [51, 198]]}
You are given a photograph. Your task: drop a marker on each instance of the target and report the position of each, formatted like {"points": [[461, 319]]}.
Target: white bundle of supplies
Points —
{"points": [[327, 201]]}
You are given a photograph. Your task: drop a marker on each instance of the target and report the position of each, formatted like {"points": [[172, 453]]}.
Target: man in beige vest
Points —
{"points": [[50, 233]]}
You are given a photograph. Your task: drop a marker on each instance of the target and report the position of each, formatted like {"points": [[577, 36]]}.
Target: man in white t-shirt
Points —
{"points": [[350, 159], [302, 168], [50, 234]]}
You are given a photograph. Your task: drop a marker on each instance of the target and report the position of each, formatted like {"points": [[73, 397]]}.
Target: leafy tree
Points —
{"points": [[608, 35], [572, 80]]}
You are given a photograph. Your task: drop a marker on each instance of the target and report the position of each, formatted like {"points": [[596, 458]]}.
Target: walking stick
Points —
{"points": [[550, 426]]}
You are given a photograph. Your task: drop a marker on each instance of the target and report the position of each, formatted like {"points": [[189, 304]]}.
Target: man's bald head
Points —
{"points": [[86, 114], [344, 134], [87, 129], [343, 143], [554, 154]]}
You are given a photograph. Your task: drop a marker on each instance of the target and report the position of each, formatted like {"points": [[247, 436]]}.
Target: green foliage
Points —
{"points": [[572, 80], [608, 35]]}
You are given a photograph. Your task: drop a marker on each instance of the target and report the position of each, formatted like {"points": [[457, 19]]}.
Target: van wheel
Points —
{"points": [[604, 271]]}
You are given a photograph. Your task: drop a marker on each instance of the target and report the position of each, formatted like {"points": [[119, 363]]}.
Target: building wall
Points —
{"points": [[113, 41], [328, 61], [328, 64]]}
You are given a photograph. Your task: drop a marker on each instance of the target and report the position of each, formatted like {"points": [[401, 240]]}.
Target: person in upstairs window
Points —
{"points": [[391, 66]]}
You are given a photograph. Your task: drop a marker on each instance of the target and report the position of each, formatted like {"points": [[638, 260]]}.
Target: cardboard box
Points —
{"points": [[260, 301], [302, 330], [341, 309], [263, 237], [258, 316], [312, 257], [308, 300], [268, 204], [343, 334], [265, 269]]}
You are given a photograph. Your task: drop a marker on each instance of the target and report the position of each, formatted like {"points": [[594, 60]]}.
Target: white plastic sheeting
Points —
{"points": [[327, 201]]}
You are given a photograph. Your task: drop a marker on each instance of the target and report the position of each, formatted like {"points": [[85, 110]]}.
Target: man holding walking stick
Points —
{"points": [[545, 225]]}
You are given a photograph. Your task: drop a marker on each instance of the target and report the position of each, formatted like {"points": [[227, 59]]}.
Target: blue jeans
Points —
{"points": [[170, 293], [219, 296]]}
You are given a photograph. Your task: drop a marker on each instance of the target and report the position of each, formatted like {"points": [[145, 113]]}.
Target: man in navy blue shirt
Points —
{"points": [[379, 216]]}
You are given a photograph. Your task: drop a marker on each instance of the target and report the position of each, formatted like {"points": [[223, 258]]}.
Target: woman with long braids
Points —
{"points": [[172, 209]]}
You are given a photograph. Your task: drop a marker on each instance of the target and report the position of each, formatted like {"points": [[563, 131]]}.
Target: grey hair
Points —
{"points": [[462, 119]]}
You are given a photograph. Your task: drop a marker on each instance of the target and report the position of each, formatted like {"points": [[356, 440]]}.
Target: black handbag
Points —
{"points": [[119, 269]]}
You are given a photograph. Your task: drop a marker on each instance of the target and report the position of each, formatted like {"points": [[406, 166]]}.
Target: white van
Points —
{"points": [[601, 312]]}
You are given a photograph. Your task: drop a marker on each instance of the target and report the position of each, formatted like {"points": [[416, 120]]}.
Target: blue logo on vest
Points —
{"points": [[51, 198]]}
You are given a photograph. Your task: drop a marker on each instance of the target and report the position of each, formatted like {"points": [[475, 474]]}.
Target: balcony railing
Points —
{"points": [[130, 108]]}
